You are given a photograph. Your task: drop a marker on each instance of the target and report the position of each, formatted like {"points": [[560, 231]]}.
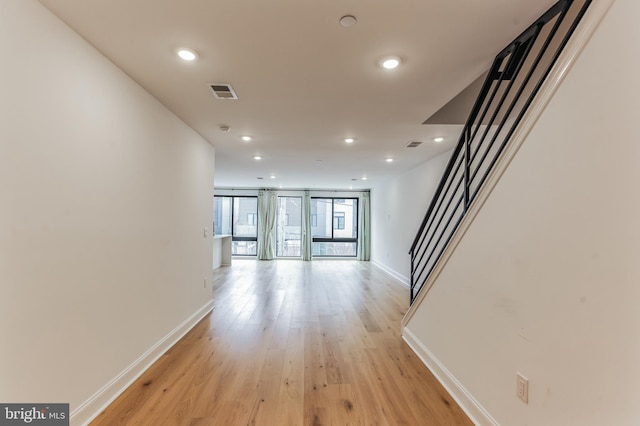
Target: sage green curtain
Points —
{"points": [[267, 205], [364, 238], [307, 237]]}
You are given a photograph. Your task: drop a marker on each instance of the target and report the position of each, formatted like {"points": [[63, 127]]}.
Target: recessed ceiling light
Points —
{"points": [[348, 21], [246, 138], [272, 176], [438, 139], [349, 140], [257, 157], [187, 54], [364, 178], [389, 160], [390, 62]]}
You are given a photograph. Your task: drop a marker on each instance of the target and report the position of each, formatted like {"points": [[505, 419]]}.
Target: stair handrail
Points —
{"points": [[517, 53]]}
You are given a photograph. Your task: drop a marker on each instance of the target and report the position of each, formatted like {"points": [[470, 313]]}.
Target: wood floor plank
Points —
{"points": [[292, 343], [291, 393]]}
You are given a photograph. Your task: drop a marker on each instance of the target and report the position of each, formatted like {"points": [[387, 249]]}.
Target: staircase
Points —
{"points": [[512, 83]]}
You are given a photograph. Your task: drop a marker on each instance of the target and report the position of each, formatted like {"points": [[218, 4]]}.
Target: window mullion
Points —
{"points": [[333, 216]]}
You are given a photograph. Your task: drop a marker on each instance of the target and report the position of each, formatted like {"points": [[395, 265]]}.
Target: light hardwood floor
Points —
{"points": [[292, 343]]}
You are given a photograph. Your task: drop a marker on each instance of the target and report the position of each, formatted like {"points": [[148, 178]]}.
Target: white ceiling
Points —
{"points": [[304, 82]]}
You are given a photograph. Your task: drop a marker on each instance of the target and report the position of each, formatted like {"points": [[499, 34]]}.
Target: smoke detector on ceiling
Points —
{"points": [[222, 91], [348, 21]]}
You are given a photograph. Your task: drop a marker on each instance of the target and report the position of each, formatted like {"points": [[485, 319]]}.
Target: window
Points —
{"points": [[222, 215], [238, 217], [335, 227], [338, 220], [289, 227]]}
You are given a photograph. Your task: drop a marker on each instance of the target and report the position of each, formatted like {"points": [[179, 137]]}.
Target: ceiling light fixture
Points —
{"points": [[257, 157], [389, 160], [272, 176], [390, 62], [246, 138], [187, 55], [438, 139], [365, 178], [349, 140]]}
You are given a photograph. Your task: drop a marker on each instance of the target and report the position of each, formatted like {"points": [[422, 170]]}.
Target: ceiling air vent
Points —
{"points": [[413, 144], [223, 91]]}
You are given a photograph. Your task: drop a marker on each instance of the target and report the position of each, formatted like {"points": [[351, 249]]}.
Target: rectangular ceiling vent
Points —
{"points": [[413, 144], [223, 91]]}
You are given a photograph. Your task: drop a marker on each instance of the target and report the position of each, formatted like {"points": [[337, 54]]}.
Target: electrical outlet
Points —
{"points": [[204, 234], [522, 388]]}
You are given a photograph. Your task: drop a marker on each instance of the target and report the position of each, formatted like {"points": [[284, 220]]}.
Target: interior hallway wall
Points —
{"points": [[545, 281], [105, 194], [397, 209]]}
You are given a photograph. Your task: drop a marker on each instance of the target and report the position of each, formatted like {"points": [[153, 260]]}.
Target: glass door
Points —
{"points": [[289, 227]]}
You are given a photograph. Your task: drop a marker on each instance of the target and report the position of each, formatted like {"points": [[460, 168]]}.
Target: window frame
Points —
{"points": [[235, 238], [338, 239]]}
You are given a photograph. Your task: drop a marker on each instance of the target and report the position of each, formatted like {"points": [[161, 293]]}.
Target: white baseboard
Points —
{"points": [[92, 407], [395, 274], [478, 415]]}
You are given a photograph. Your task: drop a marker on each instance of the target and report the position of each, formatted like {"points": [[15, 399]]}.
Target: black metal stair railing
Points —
{"points": [[516, 75]]}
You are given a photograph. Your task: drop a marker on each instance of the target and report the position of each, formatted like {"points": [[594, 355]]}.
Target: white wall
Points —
{"points": [[397, 209], [546, 280], [104, 196]]}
